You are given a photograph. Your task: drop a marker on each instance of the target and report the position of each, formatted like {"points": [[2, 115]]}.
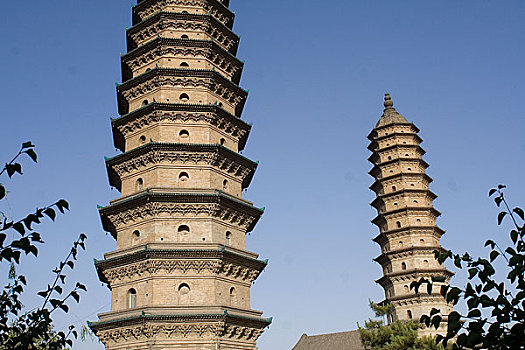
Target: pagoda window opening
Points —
{"points": [[233, 296], [220, 104], [135, 237], [184, 97], [183, 176], [395, 203], [184, 135], [389, 158], [132, 298], [222, 141], [409, 314], [425, 262], [394, 188], [225, 185], [409, 169], [140, 184], [400, 243], [184, 36], [142, 139], [415, 201], [185, 12], [145, 103], [228, 238], [406, 289], [422, 241], [184, 64], [398, 224], [403, 266], [184, 294], [184, 233]]}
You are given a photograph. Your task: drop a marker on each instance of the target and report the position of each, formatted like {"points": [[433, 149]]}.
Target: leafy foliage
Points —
{"points": [[495, 316], [398, 335], [19, 329]]}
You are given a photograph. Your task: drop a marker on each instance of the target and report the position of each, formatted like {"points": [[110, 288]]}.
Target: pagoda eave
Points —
{"points": [[382, 236], [221, 6], [156, 149], [376, 186], [223, 254], [372, 136], [388, 256], [224, 202], [225, 317], [165, 73], [162, 16], [157, 111], [162, 43]]}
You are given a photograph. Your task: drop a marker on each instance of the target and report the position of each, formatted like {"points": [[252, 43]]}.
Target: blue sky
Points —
{"points": [[317, 72]]}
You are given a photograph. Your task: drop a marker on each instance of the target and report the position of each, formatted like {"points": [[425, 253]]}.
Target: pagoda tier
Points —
{"points": [[408, 235], [181, 274], [207, 123], [174, 53]]}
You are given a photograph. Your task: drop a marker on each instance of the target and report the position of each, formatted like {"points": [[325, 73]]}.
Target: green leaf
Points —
{"points": [[500, 187], [514, 236], [491, 243], [2, 192], [81, 286], [75, 296], [50, 213], [27, 144], [32, 154], [501, 216], [520, 213], [19, 227], [61, 205], [472, 272], [13, 168], [436, 321], [492, 191], [493, 255]]}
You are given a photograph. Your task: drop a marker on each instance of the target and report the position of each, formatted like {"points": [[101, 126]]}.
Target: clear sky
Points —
{"points": [[317, 71]]}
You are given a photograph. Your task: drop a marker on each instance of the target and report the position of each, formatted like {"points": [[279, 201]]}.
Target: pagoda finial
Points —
{"points": [[389, 104]]}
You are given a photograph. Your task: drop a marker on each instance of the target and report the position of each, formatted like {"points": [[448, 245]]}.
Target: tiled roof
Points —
{"points": [[333, 341]]}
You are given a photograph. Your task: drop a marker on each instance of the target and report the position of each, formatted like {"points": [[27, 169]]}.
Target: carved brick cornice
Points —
{"points": [[403, 177], [179, 262], [372, 136], [376, 171], [217, 9], [378, 202], [408, 211], [374, 145], [147, 327], [406, 252], [181, 78], [152, 27], [161, 47], [384, 236], [166, 112], [178, 153], [150, 205], [375, 158], [412, 275]]}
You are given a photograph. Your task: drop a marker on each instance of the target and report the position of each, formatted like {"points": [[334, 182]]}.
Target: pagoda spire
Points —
{"points": [[406, 218], [181, 274], [390, 115]]}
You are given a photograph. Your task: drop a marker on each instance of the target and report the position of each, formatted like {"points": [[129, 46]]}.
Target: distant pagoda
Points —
{"points": [[181, 274], [406, 218]]}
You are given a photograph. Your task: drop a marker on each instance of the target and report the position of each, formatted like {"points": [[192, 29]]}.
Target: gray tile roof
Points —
{"points": [[333, 341]]}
